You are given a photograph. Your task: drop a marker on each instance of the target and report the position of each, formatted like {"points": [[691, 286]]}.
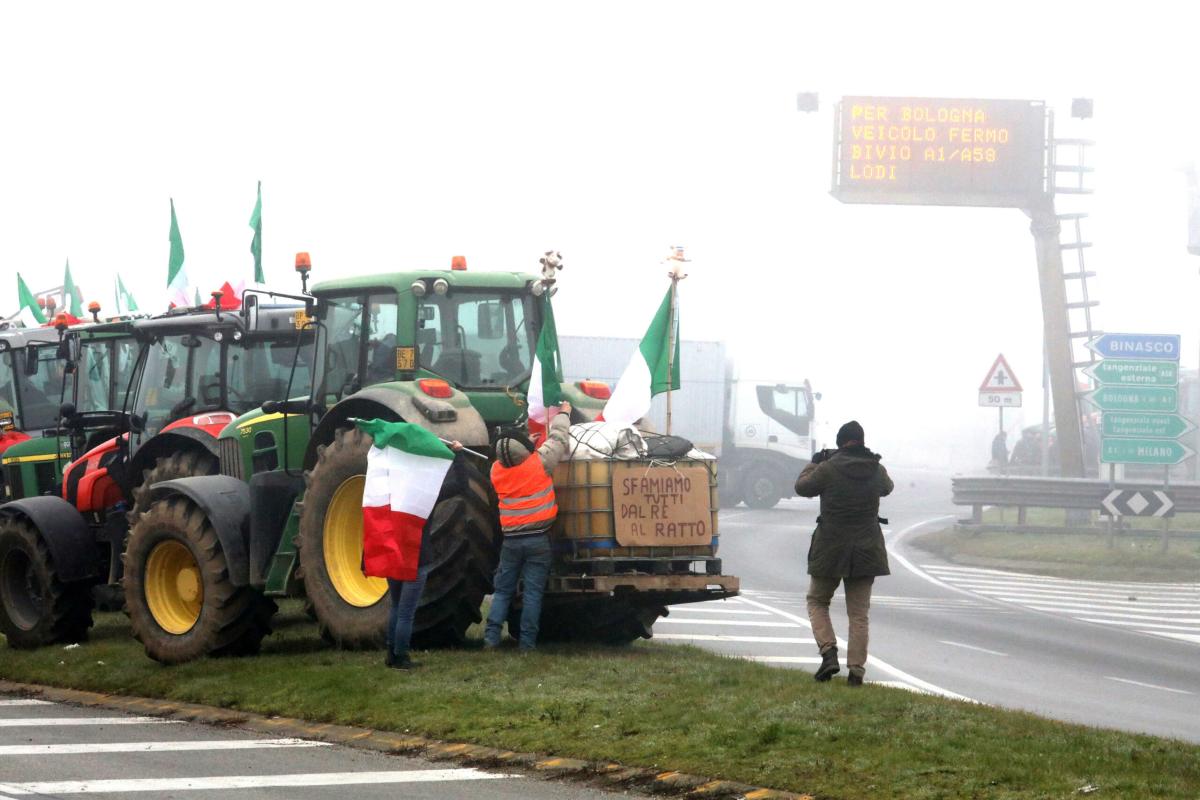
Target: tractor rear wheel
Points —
{"points": [[605, 620], [36, 608], [352, 609], [167, 468], [178, 596]]}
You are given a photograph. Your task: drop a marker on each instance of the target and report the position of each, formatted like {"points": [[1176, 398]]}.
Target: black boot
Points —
{"points": [[829, 665], [854, 679]]}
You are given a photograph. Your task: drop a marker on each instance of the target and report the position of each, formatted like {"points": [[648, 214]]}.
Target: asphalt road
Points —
{"points": [[60, 751], [1114, 655]]}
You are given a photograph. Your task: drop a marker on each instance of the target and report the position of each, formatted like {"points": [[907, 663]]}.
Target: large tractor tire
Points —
{"points": [[604, 620], [352, 609], [761, 488], [178, 596], [36, 608], [168, 468]]}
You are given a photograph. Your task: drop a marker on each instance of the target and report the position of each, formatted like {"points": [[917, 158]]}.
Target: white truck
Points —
{"points": [[762, 431]]}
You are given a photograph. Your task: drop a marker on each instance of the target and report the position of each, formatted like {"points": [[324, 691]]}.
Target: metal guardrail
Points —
{"points": [[1040, 492]]}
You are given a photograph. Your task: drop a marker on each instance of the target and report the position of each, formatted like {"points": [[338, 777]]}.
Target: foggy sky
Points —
{"points": [[392, 136]]}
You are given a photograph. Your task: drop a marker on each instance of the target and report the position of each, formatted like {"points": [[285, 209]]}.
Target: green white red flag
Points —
{"points": [[652, 370], [405, 471], [545, 382]]}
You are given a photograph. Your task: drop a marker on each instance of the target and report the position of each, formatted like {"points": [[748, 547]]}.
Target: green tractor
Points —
{"points": [[41, 368], [187, 374], [449, 350]]}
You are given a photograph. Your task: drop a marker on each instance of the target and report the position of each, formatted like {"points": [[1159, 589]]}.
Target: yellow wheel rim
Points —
{"points": [[174, 588], [344, 547]]}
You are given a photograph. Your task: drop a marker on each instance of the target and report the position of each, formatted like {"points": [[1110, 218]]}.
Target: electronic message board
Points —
{"points": [[923, 151]]}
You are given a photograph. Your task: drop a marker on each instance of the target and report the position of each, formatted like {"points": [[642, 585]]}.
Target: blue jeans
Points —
{"points": [[526, 558], [404, 597]]}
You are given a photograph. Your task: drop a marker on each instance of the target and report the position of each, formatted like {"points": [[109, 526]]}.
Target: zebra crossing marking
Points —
{"points": [[227, 782], [153, 747]]}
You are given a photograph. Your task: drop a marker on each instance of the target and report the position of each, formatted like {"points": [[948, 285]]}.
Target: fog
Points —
{"points": [[393, 136]]}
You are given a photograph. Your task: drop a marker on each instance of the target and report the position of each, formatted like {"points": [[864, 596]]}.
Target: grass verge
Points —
{"points": [[649, 705], [1082, 554]]}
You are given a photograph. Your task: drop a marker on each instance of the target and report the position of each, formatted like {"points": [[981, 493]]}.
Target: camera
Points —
{"points": [[822, 455]]}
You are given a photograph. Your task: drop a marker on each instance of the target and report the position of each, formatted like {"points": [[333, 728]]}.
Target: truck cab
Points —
{"points": [[768, 440]]}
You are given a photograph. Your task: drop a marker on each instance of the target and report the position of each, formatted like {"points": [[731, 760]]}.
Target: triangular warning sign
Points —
{"points": [[1000, 378]]}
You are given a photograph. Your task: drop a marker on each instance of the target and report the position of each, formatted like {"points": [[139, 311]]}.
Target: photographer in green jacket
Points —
{"points": [[847, 546]]}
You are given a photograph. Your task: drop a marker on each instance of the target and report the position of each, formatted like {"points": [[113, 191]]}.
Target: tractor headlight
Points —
{"points": [[440, 286], [418, 288]]}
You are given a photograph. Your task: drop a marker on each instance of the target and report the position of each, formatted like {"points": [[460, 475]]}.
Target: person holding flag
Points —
{"points": [[524, 484], [409, 470]]}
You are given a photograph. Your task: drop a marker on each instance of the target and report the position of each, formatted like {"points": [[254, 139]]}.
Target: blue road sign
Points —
{"points": [[1156, 346]]}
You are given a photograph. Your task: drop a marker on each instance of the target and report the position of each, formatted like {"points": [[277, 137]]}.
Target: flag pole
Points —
{"points": [[671, 349], [676, 275]]}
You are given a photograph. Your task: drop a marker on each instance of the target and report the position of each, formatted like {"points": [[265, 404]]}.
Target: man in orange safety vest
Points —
{"points": [[522, 478]]}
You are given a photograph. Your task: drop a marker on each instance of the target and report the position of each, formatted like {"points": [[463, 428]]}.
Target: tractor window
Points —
{"points": [[475, 339], [94, 376], [125, 358], [343, 319], [8, 383], [41, 392], [182, 376], [381, 339], [353, 360], [259, 372], [206, 375]]}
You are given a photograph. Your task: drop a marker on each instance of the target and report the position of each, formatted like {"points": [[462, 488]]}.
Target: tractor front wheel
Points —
{"points": [[167, 468], [36, 608], [178, 596]]}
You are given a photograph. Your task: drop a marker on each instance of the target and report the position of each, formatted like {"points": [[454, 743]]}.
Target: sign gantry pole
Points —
{"points": [[1046, 229]]}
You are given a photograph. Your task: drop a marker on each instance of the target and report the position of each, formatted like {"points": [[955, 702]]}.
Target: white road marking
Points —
{"points": [[152, 747], [721, 637], [873, 661], [973, 647], [1062, 598], [1147, 685], [1186, 637], [1139, 624], [248, 781], [39, 722], [1104, 612], [704, 608], [983, 573], [1066, 590], [785, 659], [23, 701], [741, 623], [900, 685]]}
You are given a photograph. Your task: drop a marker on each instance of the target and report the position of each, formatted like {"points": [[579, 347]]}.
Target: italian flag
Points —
{"points": [[652, 370], [177, 282], [545, 389], [405, 471]]}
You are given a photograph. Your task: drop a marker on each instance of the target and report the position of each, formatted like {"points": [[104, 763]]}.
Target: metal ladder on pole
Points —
{"points": [[1080, 298]]}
